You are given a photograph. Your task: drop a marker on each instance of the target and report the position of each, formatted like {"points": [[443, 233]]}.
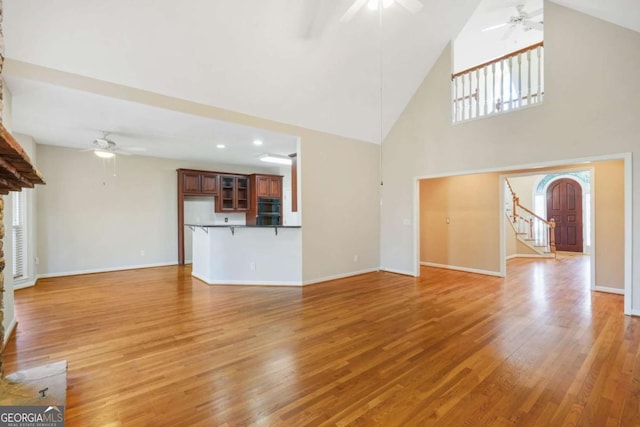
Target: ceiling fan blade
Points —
{"points": [[355, 8], [413, 6], [535, 25], [315, 16], [535, 12], [494, 27], [508, 33]]}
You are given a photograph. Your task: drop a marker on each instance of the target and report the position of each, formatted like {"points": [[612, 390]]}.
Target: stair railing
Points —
{"points": [[533, 228], [510, 82]]}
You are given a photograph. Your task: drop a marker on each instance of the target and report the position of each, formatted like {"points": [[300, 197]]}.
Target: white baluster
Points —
{"points": [[493, 84], [501, 85], [529, 76], [539, 97], [464, 102], [477, 93], [519, 80], [486, 94], [510, 63], [454, 97]]}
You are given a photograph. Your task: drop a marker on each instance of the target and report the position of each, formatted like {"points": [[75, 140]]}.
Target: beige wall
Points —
{"points": [[471, 203], [472, 197], [573, 123], [608, 187]]}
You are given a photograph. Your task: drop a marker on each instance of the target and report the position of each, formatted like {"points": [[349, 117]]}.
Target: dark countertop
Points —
{"points": [[240, 226]]}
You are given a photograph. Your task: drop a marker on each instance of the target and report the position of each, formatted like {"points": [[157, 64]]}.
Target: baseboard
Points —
{"points": [[339, 276], [610, 290], [23, 285], [403, 272], [465, 269], [104, 270], [635, 312], [11, 329], [547, 256], [242, 282]]}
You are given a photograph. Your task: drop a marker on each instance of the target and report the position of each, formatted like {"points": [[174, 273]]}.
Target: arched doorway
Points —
{"points": [[564, 205]]}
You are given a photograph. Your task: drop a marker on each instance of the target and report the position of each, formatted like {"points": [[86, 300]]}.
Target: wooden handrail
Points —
{"points": [[513, 193], [533, 214], [496, 60]]}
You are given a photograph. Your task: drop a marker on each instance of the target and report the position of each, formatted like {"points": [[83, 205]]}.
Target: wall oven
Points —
{"points": [[268, 211]]}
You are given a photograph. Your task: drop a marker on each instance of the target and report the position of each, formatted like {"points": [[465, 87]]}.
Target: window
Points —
{"points": [[19, 200]]}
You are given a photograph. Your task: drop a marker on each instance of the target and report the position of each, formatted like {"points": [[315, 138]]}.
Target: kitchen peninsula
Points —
{"points": [[247, 254]]}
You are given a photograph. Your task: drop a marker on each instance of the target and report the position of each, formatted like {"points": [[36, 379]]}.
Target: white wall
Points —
{"points": [[585, 114]]}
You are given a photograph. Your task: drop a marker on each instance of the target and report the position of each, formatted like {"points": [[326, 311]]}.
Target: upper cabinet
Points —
{"points": [[268, 185], [209, 183], [196, 183], [233, 194]]}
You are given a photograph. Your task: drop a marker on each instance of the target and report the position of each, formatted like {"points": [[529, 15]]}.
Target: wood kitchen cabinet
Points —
{"points": [[268, 185], [196, 183], [233, 193], [264, 197]]}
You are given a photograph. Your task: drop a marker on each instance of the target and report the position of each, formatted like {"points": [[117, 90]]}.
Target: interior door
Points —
{"points": [[564, 205]]}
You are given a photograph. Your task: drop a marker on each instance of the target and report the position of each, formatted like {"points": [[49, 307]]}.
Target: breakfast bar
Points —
{"points": [[247, 254]]}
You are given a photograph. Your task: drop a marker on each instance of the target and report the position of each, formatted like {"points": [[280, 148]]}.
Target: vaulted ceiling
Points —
{"points": [[290, 61]]}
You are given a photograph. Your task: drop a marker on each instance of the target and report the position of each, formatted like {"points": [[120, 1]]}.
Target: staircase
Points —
{"points": [[532, 230]]}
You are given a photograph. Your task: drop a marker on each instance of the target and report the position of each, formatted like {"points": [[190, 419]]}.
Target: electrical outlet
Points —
{"points": [[142, 252], [355, 258], [252, 265], [37, 260]]}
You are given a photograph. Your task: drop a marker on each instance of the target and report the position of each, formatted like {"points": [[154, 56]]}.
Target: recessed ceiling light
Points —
{"points": [[220, 146], [257, 142], [272, 158]]}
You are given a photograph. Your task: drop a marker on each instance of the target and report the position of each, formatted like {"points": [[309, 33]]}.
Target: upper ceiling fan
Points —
{"points": [[412, 6], [523, 19]]}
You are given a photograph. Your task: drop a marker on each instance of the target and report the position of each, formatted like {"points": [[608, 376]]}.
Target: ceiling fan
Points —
{"points": [[106, 148], [523, 19], [412, 6]]}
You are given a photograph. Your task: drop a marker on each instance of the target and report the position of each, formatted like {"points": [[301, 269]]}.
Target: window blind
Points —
{"points": [[19, 233]]}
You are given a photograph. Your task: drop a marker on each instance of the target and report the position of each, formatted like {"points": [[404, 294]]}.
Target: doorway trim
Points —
{"points": [[562, 172], [628, 211]]}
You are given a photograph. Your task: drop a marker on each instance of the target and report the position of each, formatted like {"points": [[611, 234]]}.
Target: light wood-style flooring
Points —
{"points": [[157, 347]]}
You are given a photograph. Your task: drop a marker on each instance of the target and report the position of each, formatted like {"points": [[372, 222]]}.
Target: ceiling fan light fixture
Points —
{"points": [[272, 158], [103, 154], [374, 4]]}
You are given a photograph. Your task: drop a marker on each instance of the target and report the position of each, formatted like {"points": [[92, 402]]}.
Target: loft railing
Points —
{"points": [[508, 83], [534, 229]]}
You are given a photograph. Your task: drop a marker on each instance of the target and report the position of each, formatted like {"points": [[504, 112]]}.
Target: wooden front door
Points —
{"points": [[564, 205]]}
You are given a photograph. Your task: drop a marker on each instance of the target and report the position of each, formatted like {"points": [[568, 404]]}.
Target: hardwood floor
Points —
{"points": [[156, 347]]}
